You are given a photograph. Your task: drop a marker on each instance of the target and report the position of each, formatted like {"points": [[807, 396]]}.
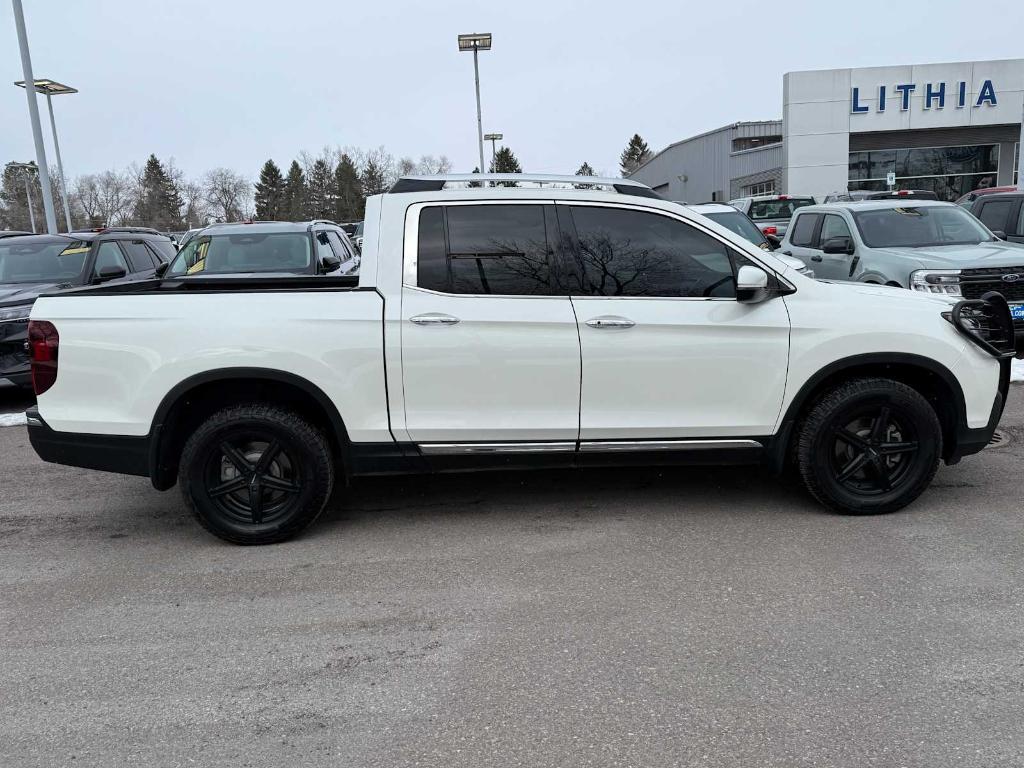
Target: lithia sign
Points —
{"points": [[935, 95]]}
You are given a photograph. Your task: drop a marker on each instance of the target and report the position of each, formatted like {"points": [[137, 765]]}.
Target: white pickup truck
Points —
{"points": [[513, 327]]}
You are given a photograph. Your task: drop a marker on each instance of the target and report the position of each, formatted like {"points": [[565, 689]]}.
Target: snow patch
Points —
{"points": [[18, 419], [1017, 370]]}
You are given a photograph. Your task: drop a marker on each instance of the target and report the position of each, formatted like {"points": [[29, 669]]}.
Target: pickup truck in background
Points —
{"points": [[771, 213], [513, 327]]}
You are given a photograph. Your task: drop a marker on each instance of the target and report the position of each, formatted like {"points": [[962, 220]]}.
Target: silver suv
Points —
{"points": [[923, 245]]}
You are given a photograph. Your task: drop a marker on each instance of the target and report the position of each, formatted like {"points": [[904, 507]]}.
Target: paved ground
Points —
{"points": [[633, 618]]}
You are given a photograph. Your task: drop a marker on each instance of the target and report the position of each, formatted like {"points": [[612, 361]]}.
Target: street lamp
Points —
{"points": [[33, 114], [493, 138], [26, 173], [52, 88], [475, 43]]}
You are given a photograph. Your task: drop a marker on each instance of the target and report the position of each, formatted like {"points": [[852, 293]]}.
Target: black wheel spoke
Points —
{"points": [[892, 449], [235, 484], [878, 470], [278, 484], [236, 457], [256, 501], [852, 467], [852, 438], [268, 457], [881, 424]]}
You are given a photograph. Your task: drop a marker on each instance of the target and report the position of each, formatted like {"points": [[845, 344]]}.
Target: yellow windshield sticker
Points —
{"points": [[199, 266], [73, 251]]}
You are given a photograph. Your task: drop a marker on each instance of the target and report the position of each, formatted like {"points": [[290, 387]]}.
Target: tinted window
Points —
{"points": [[139, 256], [994, 213], [1020, 222], [833, 226], [486, 249], [777, 209], [802, 231], [919, 226], [323, 247], [633, 253], [741, 224], [33, 262], [165, 249], [109, 255], [340, 248], [254, 252]]}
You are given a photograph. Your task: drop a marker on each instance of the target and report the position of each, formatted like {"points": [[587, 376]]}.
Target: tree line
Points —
{"points": [[333, 184]]}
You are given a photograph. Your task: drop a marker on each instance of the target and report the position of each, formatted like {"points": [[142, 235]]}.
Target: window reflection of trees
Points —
{"points": [[497, 266]]}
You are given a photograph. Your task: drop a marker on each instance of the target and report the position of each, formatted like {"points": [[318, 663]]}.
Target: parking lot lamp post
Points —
{"points": [[1020, 152], [26, 173], [493, 138], [33, 113], [52, 88], [476, 43]]}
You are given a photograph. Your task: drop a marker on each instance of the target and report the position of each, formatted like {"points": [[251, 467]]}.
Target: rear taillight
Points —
{"points": [[770, 230], [43, 342]]}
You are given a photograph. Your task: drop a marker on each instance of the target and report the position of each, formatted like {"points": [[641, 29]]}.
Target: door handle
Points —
{"points": [[610, 321], [815, 257], [434, 318]]}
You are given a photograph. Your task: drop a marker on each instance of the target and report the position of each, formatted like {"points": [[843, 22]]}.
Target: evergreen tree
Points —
{"points": [[585, 170], [475, 183], [320, 191], [270, 192], [294, 207], [348, 191], [634, 155], [505, 162], [374, 178], [159, 201]]}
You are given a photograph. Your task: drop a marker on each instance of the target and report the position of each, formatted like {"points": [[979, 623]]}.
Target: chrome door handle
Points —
{"points": [[434, 318], [610, 321]]}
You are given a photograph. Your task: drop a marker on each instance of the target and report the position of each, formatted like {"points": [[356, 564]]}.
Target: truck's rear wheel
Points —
{"points": [[869, 446], [255, 474]]}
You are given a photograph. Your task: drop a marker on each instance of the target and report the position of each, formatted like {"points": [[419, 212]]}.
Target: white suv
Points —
{"points": [[513, 327]]}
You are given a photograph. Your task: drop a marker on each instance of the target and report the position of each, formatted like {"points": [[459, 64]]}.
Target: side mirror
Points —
{"points": [[774, 242], [842, 245], [329, 263], [162, 268], [751, 284], [111, 272], [1000, 235]]}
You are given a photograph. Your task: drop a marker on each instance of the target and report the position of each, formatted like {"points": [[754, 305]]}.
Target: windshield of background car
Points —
{"points": [[41, 262], [241, 253], [741, 225], [777, 209], [919, 227]]}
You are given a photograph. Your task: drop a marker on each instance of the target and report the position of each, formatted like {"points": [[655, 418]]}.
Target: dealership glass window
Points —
{"points": [[484, 249], [754, 142], [762, 188], [948, 171]]}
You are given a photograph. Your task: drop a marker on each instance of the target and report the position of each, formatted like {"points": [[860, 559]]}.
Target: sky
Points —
{"points": [[230, 82]]}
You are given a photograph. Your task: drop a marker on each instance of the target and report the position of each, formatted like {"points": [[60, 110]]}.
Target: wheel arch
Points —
{"points": [[934, 381], [195, 398]]}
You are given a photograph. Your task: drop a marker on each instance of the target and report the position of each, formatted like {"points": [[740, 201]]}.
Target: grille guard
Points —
{"points": [[987, 323]]}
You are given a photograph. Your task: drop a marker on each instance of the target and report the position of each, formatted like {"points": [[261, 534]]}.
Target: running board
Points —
{"points": [[586, 446]]}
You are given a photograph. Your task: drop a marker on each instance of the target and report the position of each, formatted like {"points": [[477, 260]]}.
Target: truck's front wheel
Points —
{"points": [[869, 446], [255, 474]]}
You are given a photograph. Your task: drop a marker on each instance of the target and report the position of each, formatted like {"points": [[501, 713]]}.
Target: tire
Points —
{"points": [[869, 446], [255, 474]]}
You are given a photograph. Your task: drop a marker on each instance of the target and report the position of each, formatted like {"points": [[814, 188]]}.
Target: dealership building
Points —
{"points": [[949, 128]]}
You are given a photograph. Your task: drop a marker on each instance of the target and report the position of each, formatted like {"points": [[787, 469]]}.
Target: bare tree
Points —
{"points": [[429, 165], [196, 210], [85, 195], [116, 194], [227, 193], [407, 166]]}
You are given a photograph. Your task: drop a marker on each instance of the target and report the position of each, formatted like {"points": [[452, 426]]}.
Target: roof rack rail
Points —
{"points": [[137, 230], [438, 183]]}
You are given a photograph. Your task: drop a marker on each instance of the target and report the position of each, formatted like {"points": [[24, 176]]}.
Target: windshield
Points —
{"points": [[920, 227], [741, 225], [251, 252], [777, 209], [42, 262]]}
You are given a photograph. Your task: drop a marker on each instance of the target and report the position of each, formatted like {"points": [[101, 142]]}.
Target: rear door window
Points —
{"points": [[140, 257], [485, 249], [802, 232]]}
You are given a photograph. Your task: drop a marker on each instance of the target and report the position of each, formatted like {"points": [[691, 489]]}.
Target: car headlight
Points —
{"points": [[944, 281], [16, 313]]}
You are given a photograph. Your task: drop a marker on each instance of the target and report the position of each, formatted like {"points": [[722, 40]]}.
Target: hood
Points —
{"points": [[19, 293], [993, 254], [892, 293]]}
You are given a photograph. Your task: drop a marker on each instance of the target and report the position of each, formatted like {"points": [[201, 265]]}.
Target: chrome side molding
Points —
{"points": [[586, 446], [438, 449]]}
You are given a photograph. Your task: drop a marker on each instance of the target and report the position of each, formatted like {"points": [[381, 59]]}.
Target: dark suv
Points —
{"points": [[34, 264], [1003, 213]]}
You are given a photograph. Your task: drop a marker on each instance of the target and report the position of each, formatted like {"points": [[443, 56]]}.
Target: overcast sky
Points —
{"points": [[231, 83]]}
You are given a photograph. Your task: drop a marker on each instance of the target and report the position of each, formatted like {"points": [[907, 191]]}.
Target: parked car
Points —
{"points": [[929, 247], [1002, 213], [848, 196], [34, 264], [771, 213], [739, 223], [305, 248], [357, 236], [514, 327], [904, 194], [967, 201]]}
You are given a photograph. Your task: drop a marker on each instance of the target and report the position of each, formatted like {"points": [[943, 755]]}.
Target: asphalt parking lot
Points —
{"points": [[627, 618]]}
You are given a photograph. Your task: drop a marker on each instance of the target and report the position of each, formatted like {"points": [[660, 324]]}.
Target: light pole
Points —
{"points": [[26, 173], [475, 43], [493, 138], [33, 113], [52, 88]]}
